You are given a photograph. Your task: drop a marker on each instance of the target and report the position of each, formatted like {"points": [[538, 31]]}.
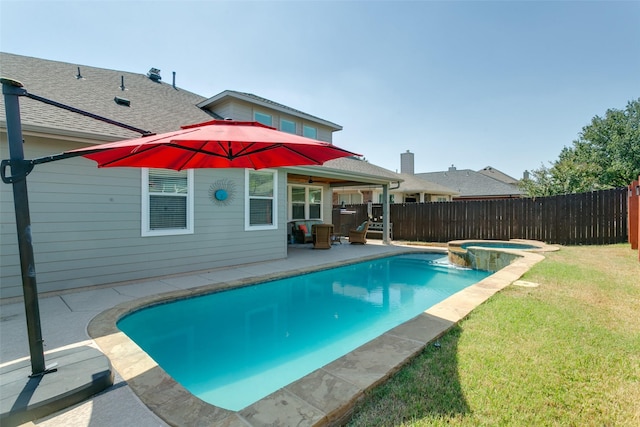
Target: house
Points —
{"points": [[408, 188], [100, 226], [488, 183]]}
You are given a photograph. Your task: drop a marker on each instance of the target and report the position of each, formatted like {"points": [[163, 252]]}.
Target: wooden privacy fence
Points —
{"points": [[598, 217], [634, 214]]}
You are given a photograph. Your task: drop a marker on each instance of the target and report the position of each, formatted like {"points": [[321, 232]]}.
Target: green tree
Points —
{"points": [[605, 155]]}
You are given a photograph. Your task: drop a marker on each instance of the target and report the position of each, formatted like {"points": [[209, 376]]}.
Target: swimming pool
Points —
{"points": [[234, 347]]}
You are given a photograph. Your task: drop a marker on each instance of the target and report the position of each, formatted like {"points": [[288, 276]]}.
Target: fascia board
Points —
{"points": [[340, 174], [66, 134]]}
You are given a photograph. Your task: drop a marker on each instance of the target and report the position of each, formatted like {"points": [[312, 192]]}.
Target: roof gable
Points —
{"points": [[226, 95], [494, 173]]}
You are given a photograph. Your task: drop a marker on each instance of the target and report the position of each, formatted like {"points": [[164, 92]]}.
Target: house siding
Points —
{"points": [[243, 111], [86, 226]]}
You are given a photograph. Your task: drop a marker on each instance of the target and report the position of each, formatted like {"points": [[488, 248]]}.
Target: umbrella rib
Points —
{"points": [[122, 157]]}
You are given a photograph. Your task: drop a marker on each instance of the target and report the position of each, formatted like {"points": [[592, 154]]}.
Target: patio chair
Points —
{"points": [[359, 235], [322, 235]]}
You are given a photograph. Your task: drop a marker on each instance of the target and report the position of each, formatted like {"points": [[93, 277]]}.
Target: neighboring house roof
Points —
{"points": [[155, 106], [499, 175], [258, 100], [414, 184], [471, 184]]}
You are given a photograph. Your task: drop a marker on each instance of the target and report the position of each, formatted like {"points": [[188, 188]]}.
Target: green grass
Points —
{"points": [[566, 353]]}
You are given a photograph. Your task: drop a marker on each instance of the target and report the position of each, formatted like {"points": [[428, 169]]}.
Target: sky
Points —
{"points": [[472, 84]]}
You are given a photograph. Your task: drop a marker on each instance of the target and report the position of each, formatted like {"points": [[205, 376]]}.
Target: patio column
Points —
{"points": [[385, 213]]}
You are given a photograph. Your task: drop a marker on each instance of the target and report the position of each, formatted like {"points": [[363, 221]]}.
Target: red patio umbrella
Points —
{"points": [[214, 144]]}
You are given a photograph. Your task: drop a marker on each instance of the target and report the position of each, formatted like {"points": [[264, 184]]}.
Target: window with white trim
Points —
{"points": [[309, 132], [261, 199], [305, 202], [263, 118], [167, 202]]}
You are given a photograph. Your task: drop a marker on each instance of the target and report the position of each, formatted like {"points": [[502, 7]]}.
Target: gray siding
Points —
{"points": [[86, 226], [239, 110]]}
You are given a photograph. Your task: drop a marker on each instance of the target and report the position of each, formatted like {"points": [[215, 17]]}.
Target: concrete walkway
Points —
{"points": [[323, 397]]}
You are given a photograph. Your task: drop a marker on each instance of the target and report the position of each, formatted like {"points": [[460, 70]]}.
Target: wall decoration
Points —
{"points": [[222, 192]]}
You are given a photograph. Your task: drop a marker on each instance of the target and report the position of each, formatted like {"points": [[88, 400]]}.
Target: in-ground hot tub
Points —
{"points": [[491, 255]]}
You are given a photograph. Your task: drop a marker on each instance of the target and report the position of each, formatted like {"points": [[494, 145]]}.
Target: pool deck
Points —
{"points": [[143, 395]]}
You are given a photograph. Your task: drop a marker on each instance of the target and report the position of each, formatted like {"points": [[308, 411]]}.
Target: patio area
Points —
{"points": [[317, 399]]}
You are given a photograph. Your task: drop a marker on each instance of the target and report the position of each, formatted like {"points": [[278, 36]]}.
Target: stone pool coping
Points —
{"points": [[324, 397]]}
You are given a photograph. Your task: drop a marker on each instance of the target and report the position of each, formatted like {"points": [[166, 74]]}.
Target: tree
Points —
{"points": [[605, 155]]}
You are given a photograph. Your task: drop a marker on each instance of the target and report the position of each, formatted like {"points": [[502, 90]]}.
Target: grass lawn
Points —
{"points": [[565, 353]]}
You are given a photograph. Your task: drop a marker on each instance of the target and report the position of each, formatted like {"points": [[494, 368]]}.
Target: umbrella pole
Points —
{"points": [[19, 169]]}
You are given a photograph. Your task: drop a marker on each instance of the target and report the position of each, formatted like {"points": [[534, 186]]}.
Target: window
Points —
{"points": [[309, 132], [167, 202], [261, 194], [305, 202], [298, 198], [349, 198], [287, 126], [381, 199], [265, 119], [315, 203]]}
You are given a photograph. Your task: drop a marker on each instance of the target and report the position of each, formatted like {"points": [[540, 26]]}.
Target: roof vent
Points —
{"points": [[79, 76], [154, 74], [122, 101], [122, 86]]}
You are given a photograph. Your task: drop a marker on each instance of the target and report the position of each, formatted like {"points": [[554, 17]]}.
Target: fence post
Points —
{"points": [[633, 221]]}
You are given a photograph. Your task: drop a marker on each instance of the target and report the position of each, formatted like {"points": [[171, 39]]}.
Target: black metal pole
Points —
{"points": [[11, 90]]}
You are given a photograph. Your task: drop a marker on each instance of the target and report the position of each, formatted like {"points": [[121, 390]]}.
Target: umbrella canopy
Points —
{"points": [[215, 144]]}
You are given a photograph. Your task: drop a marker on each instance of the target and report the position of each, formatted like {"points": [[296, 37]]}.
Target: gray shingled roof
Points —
{"points": [[414, 184], [155, 106], [494, 173], [352, 164], [470, 183]]}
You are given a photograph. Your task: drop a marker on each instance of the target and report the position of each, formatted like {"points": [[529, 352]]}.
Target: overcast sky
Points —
{"points": [[471, 84]]}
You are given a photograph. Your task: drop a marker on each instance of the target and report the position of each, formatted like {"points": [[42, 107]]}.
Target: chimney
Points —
{"points": [[525, 175], [406, 163], [452, 168]]}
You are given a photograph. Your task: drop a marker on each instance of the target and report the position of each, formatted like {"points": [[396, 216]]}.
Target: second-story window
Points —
{"points": [[287, 126], [263, 118], [309, 132]]}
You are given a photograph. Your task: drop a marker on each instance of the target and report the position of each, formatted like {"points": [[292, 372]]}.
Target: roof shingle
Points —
{"points": [[154, 106]]}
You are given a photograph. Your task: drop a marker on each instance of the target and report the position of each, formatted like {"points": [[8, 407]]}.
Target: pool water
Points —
{"points": [[235, 347]]}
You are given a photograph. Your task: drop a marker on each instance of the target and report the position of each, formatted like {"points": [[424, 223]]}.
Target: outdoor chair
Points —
{"points": [[359, 235], [322, 235]]}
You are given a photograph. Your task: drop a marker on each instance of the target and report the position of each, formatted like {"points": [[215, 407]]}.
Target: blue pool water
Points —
{"points": [[235, 347]]}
